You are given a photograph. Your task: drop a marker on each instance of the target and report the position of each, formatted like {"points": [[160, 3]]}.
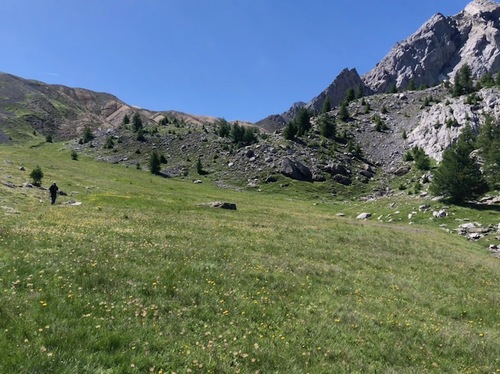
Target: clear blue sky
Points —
{"points": [[237, 59]]}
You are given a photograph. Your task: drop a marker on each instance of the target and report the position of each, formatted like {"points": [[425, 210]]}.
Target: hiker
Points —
{"points": [[53, 192]]}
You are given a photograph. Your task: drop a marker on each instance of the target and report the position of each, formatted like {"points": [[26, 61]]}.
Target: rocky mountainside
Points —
{"points": [[433, 54], [57, 110], [63, 112], [367, 151], [440, 47]]}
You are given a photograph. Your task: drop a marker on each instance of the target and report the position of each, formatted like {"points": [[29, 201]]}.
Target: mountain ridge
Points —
{"points": [[379, 130], [431, 55]]}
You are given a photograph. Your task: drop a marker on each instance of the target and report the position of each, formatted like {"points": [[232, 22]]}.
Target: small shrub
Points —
{"points": [[74, 155], [37, 175], [87, 135], [109, 143]]}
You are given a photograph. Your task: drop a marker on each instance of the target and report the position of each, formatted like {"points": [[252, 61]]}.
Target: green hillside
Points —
{"points": [[142, 278]]}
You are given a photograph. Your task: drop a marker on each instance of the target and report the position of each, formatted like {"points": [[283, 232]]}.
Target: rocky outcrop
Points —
{"points": [[272, 123], [296, 170], [348, 78], [442, 123], [441, 47]]}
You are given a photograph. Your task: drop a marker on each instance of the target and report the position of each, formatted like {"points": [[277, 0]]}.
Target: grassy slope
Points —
{"points": [[140, 278]]}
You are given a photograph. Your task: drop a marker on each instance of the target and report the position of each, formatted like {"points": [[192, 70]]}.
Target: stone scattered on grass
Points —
{"points": [[220, 205]]}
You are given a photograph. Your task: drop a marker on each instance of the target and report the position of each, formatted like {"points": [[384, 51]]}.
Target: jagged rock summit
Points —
{"points": [[477, 7], [433, 54], [437, 50]]}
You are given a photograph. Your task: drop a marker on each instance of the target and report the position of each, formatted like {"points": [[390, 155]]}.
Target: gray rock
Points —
{"points": [[250, 153], [440, 214], [220, 205], [364, 216], [366, 173], [401, 171], [474, 236], [336, 169], [342, 179], [296, 170]]}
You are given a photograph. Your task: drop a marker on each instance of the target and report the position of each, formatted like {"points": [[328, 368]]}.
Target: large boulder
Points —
{"points": [[336, 168], [296, 170], [342, 179]]}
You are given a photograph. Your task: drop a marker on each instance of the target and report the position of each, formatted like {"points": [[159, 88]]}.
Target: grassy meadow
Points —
{"points": [[140, 278]]}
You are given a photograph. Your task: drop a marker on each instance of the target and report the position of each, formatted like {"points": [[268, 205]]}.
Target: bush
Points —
{"points": [[87, 135], [74, 155], [199, 167], [109, 143], [37, 175], [422, 161]]}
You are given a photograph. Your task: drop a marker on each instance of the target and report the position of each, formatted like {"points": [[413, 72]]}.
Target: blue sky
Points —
{"points": [[237, 59]]}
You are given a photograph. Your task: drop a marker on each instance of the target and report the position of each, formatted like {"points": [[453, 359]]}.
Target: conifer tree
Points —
{"points": [[343, 112], [488, 143], [303, 121], [136, 122], [154, 163], [349, 95], [223, 128], [458, 177], [290, 131], [327, 105], [463, 83], [326, 126]]}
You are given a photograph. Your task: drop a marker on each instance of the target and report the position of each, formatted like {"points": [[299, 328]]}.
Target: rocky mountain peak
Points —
{"points": [[336, 91], [438, 49], [477, 7], [433, 54]]}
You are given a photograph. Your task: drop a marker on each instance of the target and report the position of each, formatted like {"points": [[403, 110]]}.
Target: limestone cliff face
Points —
{"points": [[441, 47], [441, 124]]}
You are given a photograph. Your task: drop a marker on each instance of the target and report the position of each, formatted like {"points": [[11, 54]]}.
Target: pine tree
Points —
{"points": [[459, 177], [199, 167], [488, 143], [223, 128], [126, 120], [463, 83], [154, 163], [237, 133], [422, 161], [349, 95], [343, 112], [290, 131], [136, 122], [303, 121], [361, 93], [411, 85], [326, 126], [327, 105], [87, 135], [249, 136]]}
